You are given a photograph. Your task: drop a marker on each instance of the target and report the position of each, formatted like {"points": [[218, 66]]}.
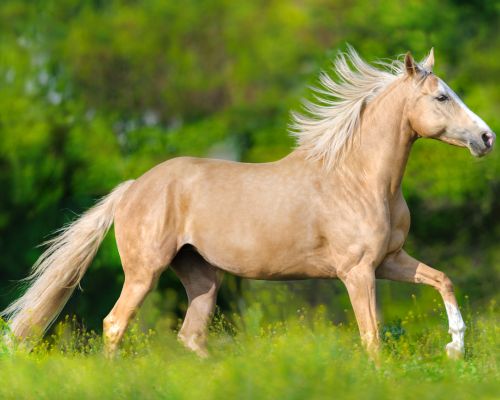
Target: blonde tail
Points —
{"points": [[60, 268]]}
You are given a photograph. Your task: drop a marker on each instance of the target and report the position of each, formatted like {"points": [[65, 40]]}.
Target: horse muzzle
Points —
{"points": [[481, 146]]}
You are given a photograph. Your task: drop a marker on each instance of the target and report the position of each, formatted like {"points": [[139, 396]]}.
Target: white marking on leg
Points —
{"points": [[457, 330]]}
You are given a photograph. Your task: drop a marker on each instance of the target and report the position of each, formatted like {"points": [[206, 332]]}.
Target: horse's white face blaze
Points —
{"points": [[435, 111]]}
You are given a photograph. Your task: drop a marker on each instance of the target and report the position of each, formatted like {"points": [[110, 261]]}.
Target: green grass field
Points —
{"points": [[304, 357]]}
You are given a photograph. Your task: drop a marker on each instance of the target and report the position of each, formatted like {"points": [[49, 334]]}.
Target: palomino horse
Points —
{"points": [[333, 208]]}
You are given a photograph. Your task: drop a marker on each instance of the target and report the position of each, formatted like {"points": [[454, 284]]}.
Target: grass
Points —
{"points": [[303, 357]]}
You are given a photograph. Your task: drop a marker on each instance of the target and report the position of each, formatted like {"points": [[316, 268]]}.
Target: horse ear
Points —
{"points": [[428, 63], [411, 66]]}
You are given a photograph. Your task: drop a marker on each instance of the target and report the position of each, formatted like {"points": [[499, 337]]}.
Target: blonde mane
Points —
{"points": [[331, 122]]}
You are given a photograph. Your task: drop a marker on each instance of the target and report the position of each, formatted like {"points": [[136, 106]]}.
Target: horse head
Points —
{"points": [[435, 111]]}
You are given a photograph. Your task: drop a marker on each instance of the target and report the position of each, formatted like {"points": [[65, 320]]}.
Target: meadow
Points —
{"points": [[97, 92], [255, 356]]}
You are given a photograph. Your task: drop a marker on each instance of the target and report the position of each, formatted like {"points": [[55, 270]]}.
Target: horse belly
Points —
{"points": [[279, 267], [278, 256]]}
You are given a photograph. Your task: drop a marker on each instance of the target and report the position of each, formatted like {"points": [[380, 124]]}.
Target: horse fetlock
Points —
{"points": [[112, 335], [195, 342], [457, 331]]}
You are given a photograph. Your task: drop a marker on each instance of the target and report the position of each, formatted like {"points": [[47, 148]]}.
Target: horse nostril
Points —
{"points": [[488, 138]]}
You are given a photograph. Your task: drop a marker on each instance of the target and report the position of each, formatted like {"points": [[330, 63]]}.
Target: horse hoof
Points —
{"points": [[454, 351]]}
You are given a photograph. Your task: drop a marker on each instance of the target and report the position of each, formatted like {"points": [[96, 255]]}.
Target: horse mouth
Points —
{"points": [[478, 150]]}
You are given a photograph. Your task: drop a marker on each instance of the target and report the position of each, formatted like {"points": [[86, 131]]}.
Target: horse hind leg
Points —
{"points": [[132, 295], [142, 269], [201, 281]]}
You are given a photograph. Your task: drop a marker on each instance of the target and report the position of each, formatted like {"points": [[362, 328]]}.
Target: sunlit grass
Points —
{"points": [[305, 356]]}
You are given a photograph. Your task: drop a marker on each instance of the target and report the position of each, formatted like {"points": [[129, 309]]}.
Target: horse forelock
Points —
{"points": [[330, 123]]}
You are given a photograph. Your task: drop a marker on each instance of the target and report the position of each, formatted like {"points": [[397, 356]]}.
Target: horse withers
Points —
{"points": [[332, 208]]}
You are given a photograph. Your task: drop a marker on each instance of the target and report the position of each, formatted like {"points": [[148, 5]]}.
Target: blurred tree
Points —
{"points": [[96, 92]]}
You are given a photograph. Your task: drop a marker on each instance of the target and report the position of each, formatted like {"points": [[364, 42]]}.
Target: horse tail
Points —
{"points": [[58, 271]]}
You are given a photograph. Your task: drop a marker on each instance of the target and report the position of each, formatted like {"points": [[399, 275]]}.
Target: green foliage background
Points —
{"points": [[95, 92]]}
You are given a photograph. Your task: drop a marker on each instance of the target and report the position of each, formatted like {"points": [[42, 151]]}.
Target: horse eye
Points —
{"points": [[442, 97]]}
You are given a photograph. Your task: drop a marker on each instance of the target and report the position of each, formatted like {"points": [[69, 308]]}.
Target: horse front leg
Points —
{"points": [[360, 284], [404, 268]]}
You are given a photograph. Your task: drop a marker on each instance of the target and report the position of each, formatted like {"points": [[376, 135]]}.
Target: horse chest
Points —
{"points": [[365, 230], [400, 224]]}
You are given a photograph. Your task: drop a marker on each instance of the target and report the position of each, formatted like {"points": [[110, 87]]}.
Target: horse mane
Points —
{"points": [[331, 122]]}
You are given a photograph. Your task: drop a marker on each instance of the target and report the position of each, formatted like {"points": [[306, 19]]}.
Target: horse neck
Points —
{"points": [[381, 150]]}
